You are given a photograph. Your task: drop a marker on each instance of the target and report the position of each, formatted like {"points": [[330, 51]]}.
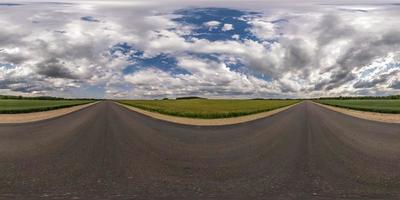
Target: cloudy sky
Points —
{"points": [[153, 49]]}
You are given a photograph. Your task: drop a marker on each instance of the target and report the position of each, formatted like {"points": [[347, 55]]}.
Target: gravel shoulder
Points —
{"points": [[38, 116], [373, 116], [207, 122]]}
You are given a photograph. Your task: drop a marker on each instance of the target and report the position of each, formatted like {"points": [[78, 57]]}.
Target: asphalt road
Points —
{"points": [[109, 152]]}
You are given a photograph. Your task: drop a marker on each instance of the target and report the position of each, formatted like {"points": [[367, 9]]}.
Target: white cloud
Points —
{"points": [[263, 29], [207, 78], [212, 25], [227, 27], [48, 50]]}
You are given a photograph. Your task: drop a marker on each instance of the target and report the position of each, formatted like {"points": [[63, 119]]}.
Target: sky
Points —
{"points": [[219, 49]]}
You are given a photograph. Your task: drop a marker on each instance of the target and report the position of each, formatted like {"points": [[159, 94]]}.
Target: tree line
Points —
{"points": [[39, 98], [362, 97]]}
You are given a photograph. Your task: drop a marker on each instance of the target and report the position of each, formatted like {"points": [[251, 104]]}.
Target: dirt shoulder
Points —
{"points": [[207, 122], [37, 116], [380, 117]]}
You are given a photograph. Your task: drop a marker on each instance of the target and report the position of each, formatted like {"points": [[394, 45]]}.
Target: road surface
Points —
{"points": [[109, 152]]}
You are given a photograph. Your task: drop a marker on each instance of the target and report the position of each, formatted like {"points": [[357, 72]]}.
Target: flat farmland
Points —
{"points": [[208, 108], [14, 106], [373, 105]]}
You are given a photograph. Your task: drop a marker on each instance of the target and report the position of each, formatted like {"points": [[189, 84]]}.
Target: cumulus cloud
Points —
{"points": [[143, 51], [54, 68], [212, 25], [263, 28], [207, 78], [227, 27]]}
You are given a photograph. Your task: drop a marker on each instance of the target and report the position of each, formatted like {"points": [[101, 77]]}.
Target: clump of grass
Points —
{"points": [[14, 106], [208, 108], [370, 105]]}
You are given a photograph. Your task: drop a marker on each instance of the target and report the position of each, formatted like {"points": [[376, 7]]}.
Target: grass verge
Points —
{"points": [[15, 106], [208, 108], [376, 105]]}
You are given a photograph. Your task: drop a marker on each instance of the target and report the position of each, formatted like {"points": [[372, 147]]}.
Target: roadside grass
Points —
{"points": [[376, 105], [15, 106], [208, 108]]}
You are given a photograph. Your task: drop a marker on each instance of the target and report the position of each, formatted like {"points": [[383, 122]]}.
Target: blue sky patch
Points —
{"points": [[244, 69], [163, 62], [89, 19], [236, 66], [208, 56], [235, 22], [200, 18], [125, 49], [6, 65], [393, 65]]}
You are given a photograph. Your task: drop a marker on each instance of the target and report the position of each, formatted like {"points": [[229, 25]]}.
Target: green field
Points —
{"points": [[208, 108], [12, 106], [376, 105]]}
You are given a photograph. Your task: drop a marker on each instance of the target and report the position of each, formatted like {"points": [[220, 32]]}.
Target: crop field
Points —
{"points": [[376, 105], [208, 108], [13, 106]]}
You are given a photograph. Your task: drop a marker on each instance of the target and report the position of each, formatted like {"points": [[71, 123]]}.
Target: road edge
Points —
{"points": [[39, 116], [372, 116], [207, 122]]}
